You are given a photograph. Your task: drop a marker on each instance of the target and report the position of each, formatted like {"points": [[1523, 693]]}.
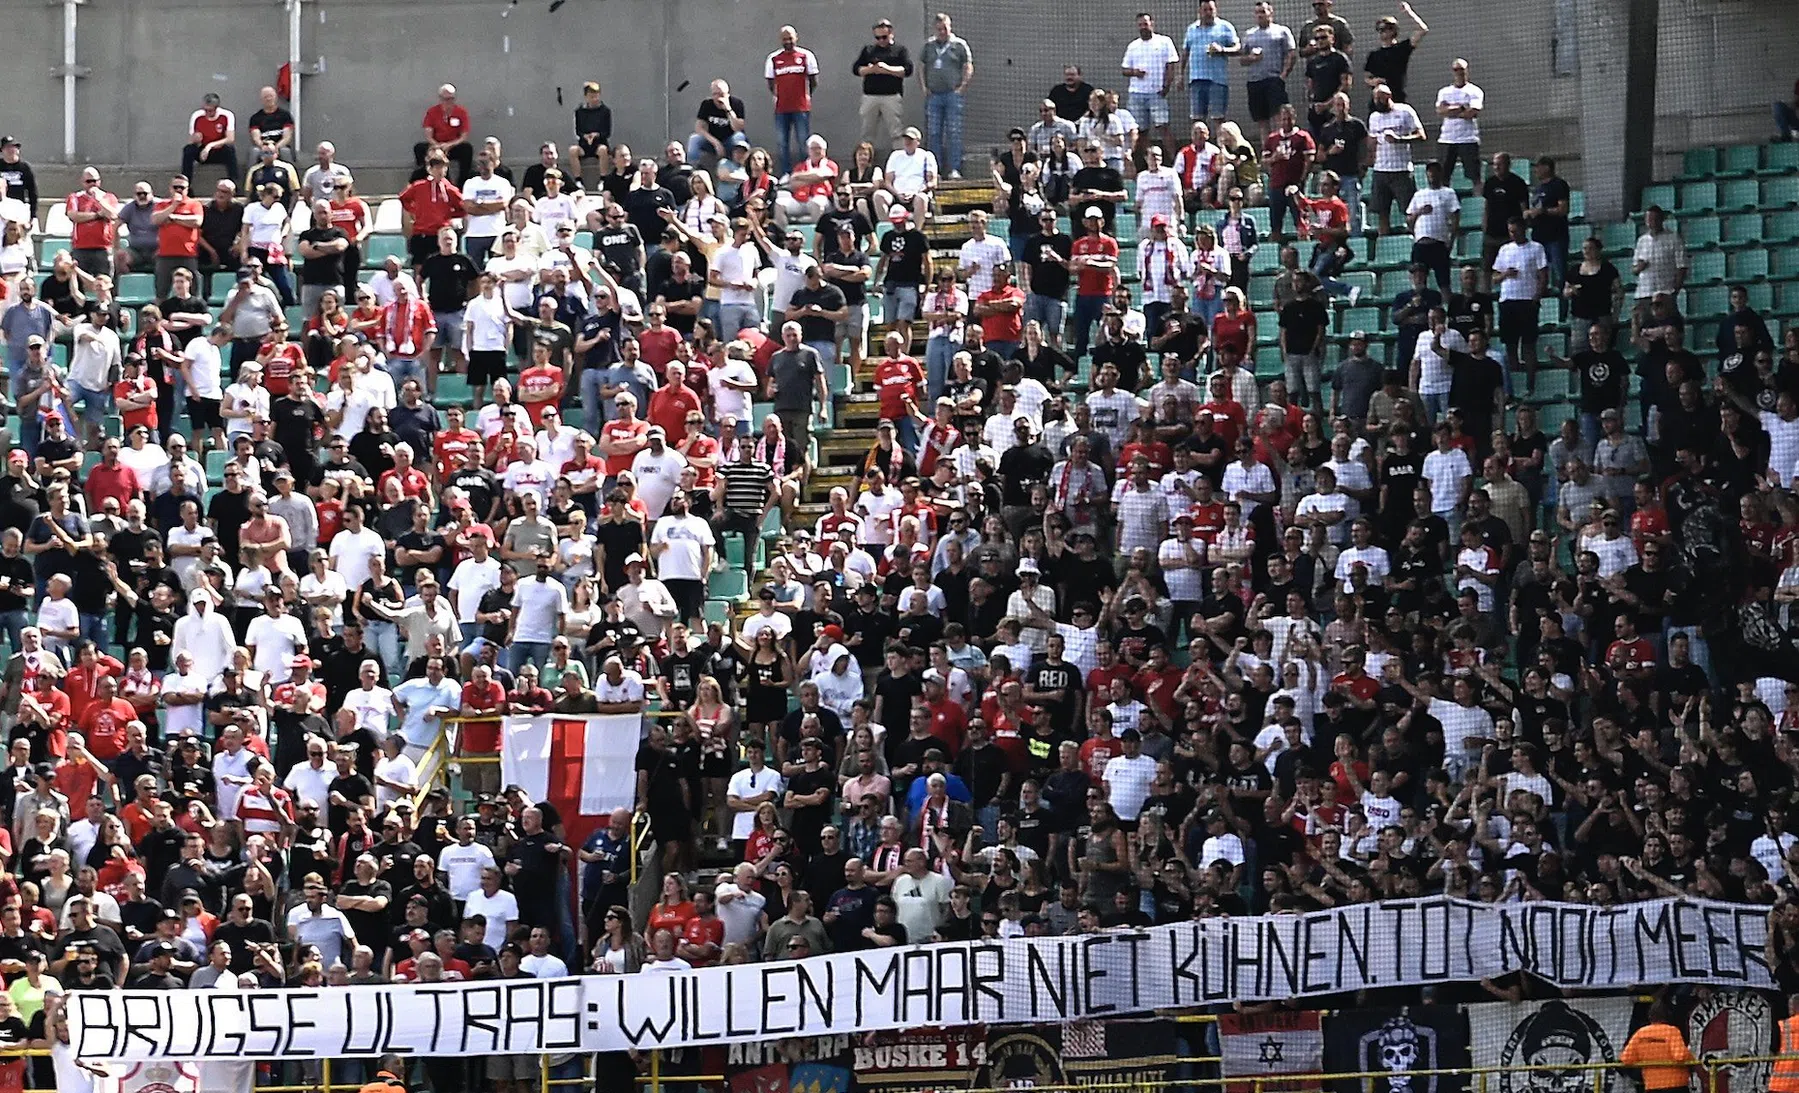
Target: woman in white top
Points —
{"points": [[1102, 125], [1158, 192], [702, 205], [264, 236], [16, 262], [582, 612]]}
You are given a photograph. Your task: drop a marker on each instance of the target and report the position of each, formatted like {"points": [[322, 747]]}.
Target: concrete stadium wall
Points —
{"points": [[1721, 62]]}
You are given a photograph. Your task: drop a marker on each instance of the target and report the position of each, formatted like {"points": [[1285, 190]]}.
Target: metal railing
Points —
{"points": [[1707, 1070]]}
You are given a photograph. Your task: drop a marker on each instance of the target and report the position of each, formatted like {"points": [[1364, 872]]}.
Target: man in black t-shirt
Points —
{"points": [[1548, 218], [447, 276], [902, 271], [718, 124], [619, 247], [1476, 389], [1388, 62], [272, 121], [1097, 185], [1044, 261], [1506, 197], [830, 225], [322, 248]]}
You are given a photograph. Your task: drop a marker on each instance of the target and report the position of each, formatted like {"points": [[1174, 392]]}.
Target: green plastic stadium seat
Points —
{"points": [[1553, 385], [1698, 196], [1392, 283], [1740, 193], [1261, 292], [1701, 231], [378, 247], [1473, 209], [1620, 237], [47, 248], [728, 584], [1705, 301], [1266, 259], [1706, 268], [1363, 280], [1261, 218], [1392, 250], [1577, 205], [1549, 311], [1761, 295], [137, 289], [1740, 160], [1786, 297], [1749, 265], [1268, 363], [1781, 157], [718, 611], [1699, 163], [1781, 227], [1784, 262], [1366, 319], [1741, 229], [1780, 193], [1662, 193]]}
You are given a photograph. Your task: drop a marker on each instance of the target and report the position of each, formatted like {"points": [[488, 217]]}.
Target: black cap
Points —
{"points": [[1130, 736], [9, 140], [162, 948], [44, 770]]}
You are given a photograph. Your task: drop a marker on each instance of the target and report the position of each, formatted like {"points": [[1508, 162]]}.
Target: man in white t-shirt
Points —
{"points": [[981, 255], [275, 638], [733, 271], [485, 196], [1435, 216], [1521, 270], [911, 174], [1459, 105], [353, 547], [657, 470], [495, 904], [682, 545], [201, 369], [1393, 127], [538, 605], [474, 577]]}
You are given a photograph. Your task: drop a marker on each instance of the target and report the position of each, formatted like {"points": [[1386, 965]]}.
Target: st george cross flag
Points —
{"points": [[585, 766], [1257, 1045], [1561, 1037]]}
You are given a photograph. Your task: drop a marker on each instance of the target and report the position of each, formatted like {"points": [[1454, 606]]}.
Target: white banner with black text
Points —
{"points": [[1205, 962]]}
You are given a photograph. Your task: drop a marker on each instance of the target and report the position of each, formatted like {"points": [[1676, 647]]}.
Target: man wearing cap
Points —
{"points": [[1095, 262], [1394, 127]]}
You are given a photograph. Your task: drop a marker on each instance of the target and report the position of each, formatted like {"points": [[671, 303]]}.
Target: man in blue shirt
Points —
{"points": [[424, 702], [1208, 45]]}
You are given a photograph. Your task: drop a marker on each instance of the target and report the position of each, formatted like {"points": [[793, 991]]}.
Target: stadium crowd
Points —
{"points": [[1111, 626]]}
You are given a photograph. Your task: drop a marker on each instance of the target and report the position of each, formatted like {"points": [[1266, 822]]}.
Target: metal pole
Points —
{"points": [[293, 70], [69, 75]]}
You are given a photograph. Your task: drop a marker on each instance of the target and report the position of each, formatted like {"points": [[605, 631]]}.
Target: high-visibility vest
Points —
{"points": [[1785, 1078]]}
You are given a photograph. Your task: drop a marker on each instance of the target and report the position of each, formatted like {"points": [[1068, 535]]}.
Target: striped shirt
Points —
{"points": [[746, 486]]}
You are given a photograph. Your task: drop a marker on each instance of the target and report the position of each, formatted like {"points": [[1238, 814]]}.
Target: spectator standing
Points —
{"points": [[1269, 53], [1394, 127], [946, 65], [792, 75], [1387, 63], [1659, 260], [1459, 105], [883, 68], [1152, 64], [95, 214]]}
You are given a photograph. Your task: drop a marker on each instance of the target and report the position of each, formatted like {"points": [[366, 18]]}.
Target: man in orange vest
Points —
{"points": [[1785, 1076], [390, 1078], [1659, 1052]]}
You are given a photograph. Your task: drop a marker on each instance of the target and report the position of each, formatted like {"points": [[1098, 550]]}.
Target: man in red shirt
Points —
{"points": [[792, 75], [1095, 260], [1287, 157], [699, 449], [82, 683], [111, 478], [1001, 311], [95, 214], [427, 206], [103, 721], [135, 396], [211, 139], [540, 385], [449, 444], [408, 329], [481, 696], [671, 403], [447, 134], [703, 938], [279, 359], [624, 436], [898, 379], [657, 342], [177, 221]]}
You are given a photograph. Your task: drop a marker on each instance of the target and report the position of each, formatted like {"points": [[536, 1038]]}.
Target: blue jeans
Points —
{"points": [[906, 433], [1005, 349], [1278, 204], [827, 351], [520, 653], [384, 638], [1435, 406], [591, 378], [1155, 314], [1207, 99], [1087, 311], [698, 146], [1785, 119], [403, 368], [11, 623], [1351, 193], [791, 133], [938, 352], [1557, 255], [1049, 311], [943, 125], [735, 317], [93, 628]]}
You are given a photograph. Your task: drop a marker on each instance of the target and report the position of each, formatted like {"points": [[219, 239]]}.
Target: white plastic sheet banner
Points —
{"points": [[1205, 962]]}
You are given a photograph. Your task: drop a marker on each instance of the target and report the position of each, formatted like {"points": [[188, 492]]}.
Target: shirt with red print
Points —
{"points": [[792, 71]]}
